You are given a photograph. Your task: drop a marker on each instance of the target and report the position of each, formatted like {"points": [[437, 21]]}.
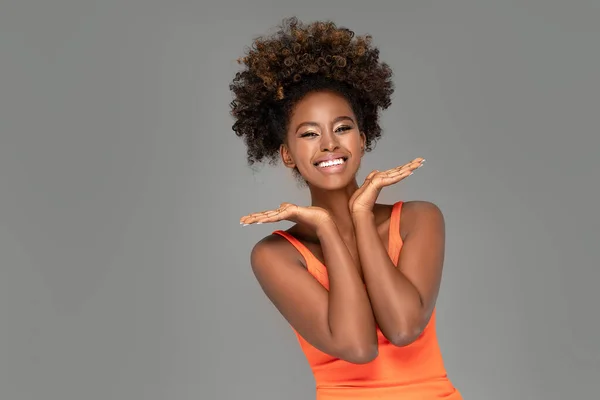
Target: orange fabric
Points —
{"points": [[412, 372]]}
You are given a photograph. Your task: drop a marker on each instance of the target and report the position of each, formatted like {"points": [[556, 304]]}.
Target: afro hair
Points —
{"points": [[278, 70]]}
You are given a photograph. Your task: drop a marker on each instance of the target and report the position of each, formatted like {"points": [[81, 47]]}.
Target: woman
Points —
{"points": [[363, 310]]}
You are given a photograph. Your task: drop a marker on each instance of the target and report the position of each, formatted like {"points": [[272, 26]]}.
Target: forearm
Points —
{"points": [[350, 316], [395, 301]]}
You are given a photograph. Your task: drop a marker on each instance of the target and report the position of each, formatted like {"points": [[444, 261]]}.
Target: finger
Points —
{"points": [[418, 160], [411, 166], [253, 215], [394, 170], [274, 212], [399, 175], [416, 163], [251, 218], [407, 167], [391, 178], [265, 219], [401, 170], [257, 218], [405, 172], [282, 213]]}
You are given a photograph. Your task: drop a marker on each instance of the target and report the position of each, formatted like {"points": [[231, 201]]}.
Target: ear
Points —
{"points": [[363, 142], [286, 156]]}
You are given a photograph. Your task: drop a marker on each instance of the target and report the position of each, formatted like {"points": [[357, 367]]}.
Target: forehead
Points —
{"points": [[321, 106]]}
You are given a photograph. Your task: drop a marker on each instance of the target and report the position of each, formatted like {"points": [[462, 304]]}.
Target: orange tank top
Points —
{"points": [[411, 372]]}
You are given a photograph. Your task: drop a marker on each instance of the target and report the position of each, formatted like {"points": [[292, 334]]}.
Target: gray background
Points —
{"points": [[125, 274]]}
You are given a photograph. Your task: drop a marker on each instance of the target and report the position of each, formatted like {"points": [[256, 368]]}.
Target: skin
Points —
{"points": [[348, 232]]}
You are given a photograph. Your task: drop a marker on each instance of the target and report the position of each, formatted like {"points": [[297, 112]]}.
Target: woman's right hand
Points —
{"points": [[313, 217]]}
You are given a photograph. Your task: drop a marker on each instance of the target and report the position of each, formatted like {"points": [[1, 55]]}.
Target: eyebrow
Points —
{"points": [[337, 119]]}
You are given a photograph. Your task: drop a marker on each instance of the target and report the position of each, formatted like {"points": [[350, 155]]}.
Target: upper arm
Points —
{"points": [[298, 296], [422, 256]]}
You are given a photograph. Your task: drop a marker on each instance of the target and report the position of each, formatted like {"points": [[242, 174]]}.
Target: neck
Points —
{"points": [[336, 203]]}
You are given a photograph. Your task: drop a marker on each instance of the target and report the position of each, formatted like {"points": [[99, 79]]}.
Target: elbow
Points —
{"points": [[405, 331], [363, 354], [405, 335], [401, 339]]}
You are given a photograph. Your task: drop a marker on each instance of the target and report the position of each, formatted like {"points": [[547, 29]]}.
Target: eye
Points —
{"points": [[308, 134], [343, 128]]}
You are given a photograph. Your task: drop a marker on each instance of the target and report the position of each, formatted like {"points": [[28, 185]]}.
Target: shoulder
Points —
{"points": [[420, 208], [271, 248], [420, 215]]}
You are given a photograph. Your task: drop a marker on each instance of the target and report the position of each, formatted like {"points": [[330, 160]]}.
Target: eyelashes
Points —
{"points": [[343, 128], [340, 129]]}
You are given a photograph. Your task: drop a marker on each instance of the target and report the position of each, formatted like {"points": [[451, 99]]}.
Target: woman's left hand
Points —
{"points": [[365, 197]]}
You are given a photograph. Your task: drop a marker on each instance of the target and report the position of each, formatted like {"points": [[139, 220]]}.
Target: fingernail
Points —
{"points": [[245, 224], [258, 223]]}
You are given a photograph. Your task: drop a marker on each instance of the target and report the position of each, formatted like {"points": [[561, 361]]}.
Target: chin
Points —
{"points": [[331, 185], [331, 181]]}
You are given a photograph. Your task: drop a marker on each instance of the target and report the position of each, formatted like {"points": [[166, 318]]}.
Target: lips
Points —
{"points": [[331, 163], [330, 160]]}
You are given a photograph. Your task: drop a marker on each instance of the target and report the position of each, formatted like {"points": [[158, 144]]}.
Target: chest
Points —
{"points": [[349, 240]]}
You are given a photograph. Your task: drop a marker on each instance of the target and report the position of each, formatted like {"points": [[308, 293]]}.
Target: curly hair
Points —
{"points": [[301, 58]]}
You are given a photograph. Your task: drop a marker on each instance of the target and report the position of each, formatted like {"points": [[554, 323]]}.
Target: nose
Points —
{"points": [[329, 141]]}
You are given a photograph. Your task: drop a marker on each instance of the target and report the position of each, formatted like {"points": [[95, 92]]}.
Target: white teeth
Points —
{"points": [[331, 163]]}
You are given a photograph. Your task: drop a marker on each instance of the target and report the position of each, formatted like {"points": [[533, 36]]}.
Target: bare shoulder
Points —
{"points": [[272, 249], [421, 215], [420, 208]]}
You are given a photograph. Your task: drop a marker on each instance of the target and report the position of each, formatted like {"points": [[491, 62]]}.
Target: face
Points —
{"points": [[323, 141]]}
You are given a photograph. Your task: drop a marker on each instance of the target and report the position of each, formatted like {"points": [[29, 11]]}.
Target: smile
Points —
{"points": [[331, 163]]}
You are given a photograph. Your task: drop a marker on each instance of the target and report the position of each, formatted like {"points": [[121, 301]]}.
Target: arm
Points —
{"points": [[403, 298], [339, 322]]}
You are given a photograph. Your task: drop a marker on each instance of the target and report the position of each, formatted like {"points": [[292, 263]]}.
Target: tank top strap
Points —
{"points": [[394, 238], [313, 264]]}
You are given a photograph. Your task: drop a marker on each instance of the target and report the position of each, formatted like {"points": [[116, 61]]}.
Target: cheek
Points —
{"points": [[353, 142], [302, 154]]}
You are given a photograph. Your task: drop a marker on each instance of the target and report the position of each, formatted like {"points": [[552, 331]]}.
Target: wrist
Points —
{"points": [[326, 228], [363, 216]]}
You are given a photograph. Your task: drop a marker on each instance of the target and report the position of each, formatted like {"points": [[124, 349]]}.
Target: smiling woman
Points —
{"points": [[357, 280], [325, 139]]}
